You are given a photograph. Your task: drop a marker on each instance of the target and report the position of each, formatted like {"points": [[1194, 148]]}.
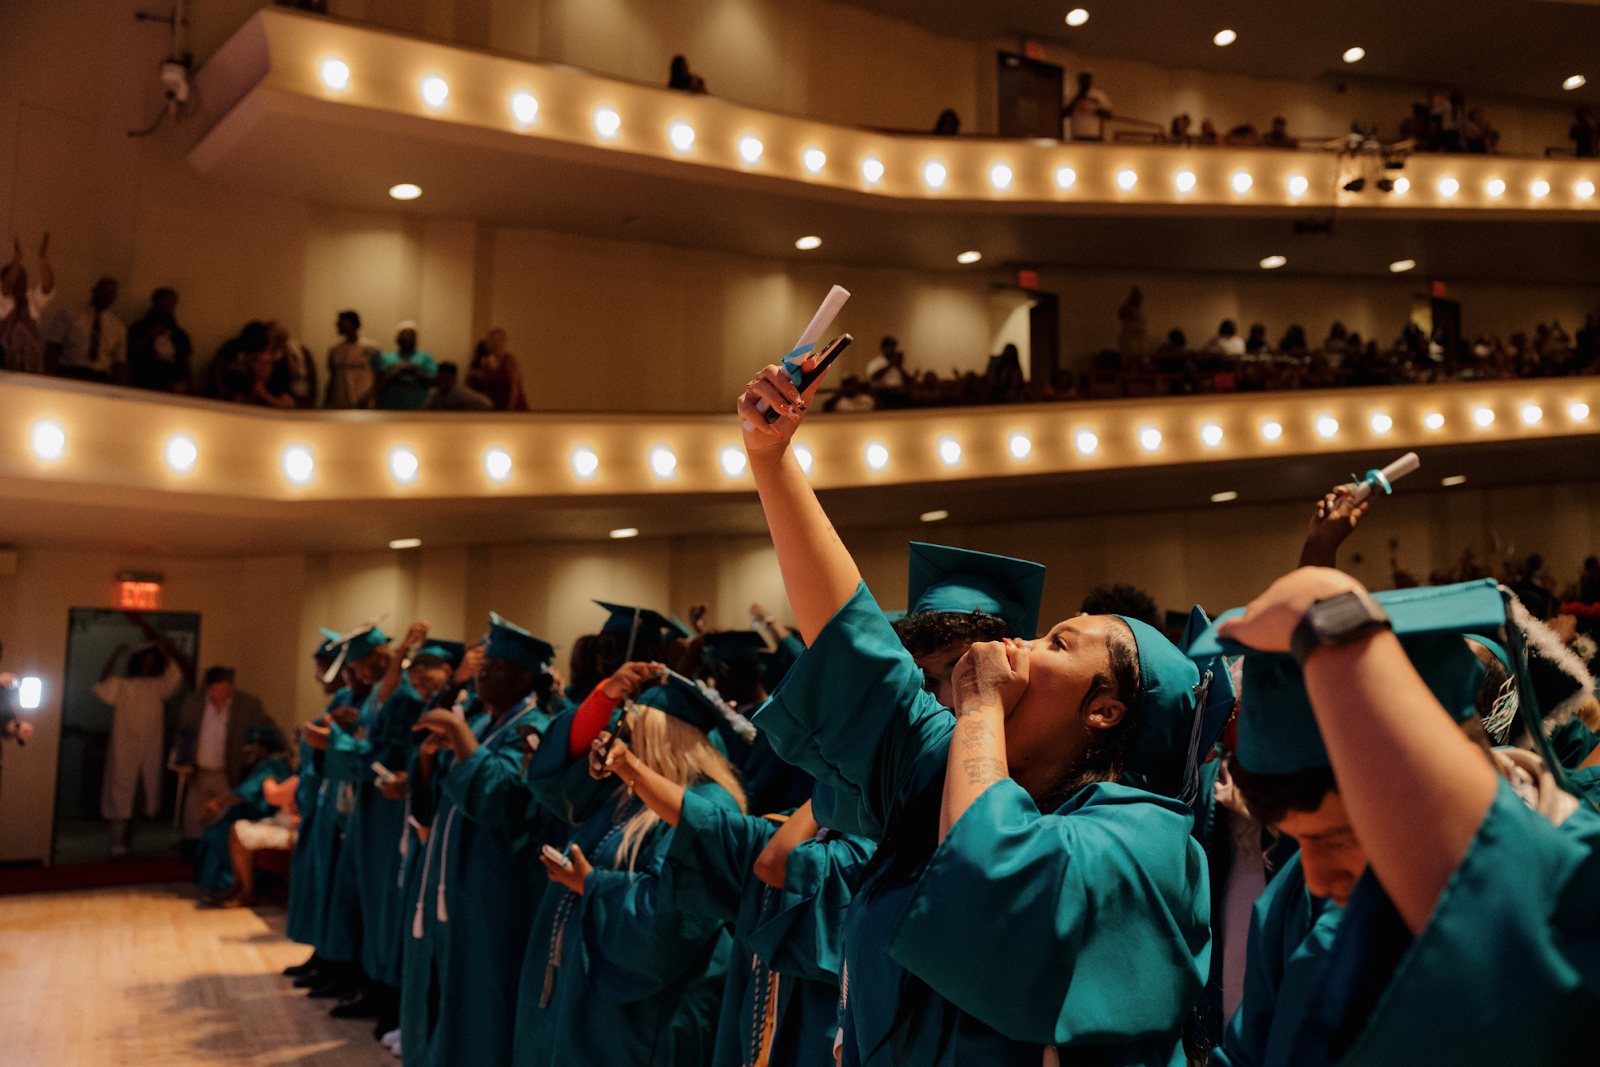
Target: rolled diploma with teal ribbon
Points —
{"points": [[1386, 477], [826, 313]]}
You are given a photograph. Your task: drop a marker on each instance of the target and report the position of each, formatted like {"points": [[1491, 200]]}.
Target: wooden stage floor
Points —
{"points": [[137, 975]]}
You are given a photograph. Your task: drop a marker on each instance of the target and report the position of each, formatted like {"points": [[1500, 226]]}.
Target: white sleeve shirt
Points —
{"points": [[211, 748]]}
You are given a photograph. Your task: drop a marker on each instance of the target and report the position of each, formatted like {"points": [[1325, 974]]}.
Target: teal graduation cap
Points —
{"points": [[682, 700], [724, 646], [961, 580], [349, 647], [652, 624], [452, 652], [508, 641]]}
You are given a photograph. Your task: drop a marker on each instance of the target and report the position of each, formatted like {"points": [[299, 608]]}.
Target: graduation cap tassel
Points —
{"points": [[1191, 763], [1526, 698], [1497, 724], [633, 636]]}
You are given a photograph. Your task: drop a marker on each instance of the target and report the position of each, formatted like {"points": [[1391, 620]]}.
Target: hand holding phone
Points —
{"points": [[555, 855], [385, 775], [827, 353]]}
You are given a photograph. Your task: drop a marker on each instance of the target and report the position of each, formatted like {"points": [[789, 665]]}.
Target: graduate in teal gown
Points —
{"points": [[480, 880], [305, 918], [1035, 882], [1436, 913], [615, 972], [732, 665], [263, 752]]}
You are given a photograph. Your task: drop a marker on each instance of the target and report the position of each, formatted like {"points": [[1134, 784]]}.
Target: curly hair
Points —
{"points": [[1119, 599], [929, 631]]}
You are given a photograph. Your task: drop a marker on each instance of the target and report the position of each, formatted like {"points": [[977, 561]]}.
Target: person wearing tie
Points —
{"points": [[92, 344]]}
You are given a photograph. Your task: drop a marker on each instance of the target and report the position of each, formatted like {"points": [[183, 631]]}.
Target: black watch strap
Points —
{"points": [[1337, 620]]}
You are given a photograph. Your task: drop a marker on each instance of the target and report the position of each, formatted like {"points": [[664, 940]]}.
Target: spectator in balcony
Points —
{"points": [[404, 375], [448, 394], [1006, 382], [232, 373], [1256, 346], [1180, 130], [1479, 134], [496, 374], [1131, 335], [1245, 135], [1087, 112], [1278, 136], [886, 375], [1336, 344], [1586, 349], [1208, 133], [20, 307], [852, 396], [90, 345], [949, 123], [1227, 342], [294, 365], [351, 366], [683, 79], [1448, 116], [158, 348], [1585, 133]]}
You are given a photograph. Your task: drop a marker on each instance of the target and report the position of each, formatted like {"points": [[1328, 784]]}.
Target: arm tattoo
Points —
{"points": [[982, 770], [977, 736]]}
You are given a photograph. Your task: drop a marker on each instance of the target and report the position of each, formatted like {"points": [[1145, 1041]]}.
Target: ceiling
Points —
{"points": [[1519, 48]]}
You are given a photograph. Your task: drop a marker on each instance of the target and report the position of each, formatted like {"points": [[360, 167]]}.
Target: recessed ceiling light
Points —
{"points": [[1454, 479], [435, 91], [1298, 185], [872, 170], [1077, 17], [1327, 426], [607, 122], [750, 149], [585, 462], [298, 466], [1184, 181], [1381, 422], [681, 134], [497, 464], [1224, 38], [524, 107], [47, 440], [1241, 182], [1531, 414], [1400, 266], [1575, 81], [1433, 420], [934, 174], [1584, 189], [1000, 176], [1401, 186], [406, 542], [1540, 188], [1484, 417], [935, 516], [663, 462], [1224, 497], [969, 257], [1448, 187], [335, 73], [181, 453], [1211, 434], [1126, 179], [405, 191], [1019, 445], [802, 454], [877, 456], [1066, 177], [806, 244], [1271, 430], [403, 465], [733, 461], [1354, 55], [1494, 186], [813, 159], [1273, 262], [626, 531], [949, 451], [1149, 438]]}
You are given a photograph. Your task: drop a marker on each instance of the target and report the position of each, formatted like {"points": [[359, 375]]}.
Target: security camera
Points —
{"points": [[175, 81]]}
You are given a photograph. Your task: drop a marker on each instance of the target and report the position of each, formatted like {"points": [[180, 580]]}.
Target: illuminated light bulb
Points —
{"points": [[335, 74], [1184, 180], [949, 451], [1019, 445], [1224, 38], [1400, 266], [1327, 426], [298, 466], [1433, 420], [30, 692], [1484, 417], [48, 440], [1126, 179], [1086, 442], [435, 91], [1298, 185], [1494, 186], [750, 149], [405, 542], [813, 159], [1540, 188], [1273, 262], [872, 170], [405, 191], [524, 107], [969, 257], [1000, 176], [1077, 17], [934, 516], [403, 465], [663, 462], [584, 462], [1401, 185], [1149, 438], [497, 464], [806, 244], [1066, 177], [1448, 187], [1577, 411], [1381, 423], [1241, 182], [1224, 497], [1584, 189], [1271, 430], [1354, 55], [181, 453], [934, 174], [1531, 414], [1575, 81], [733, 461], [1211, 435], [1454, 479], [624, 532], [803, 455], [877, 456], [607, 122], [681, 134]]}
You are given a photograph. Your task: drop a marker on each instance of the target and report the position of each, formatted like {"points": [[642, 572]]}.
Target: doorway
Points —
{"points": [[105, 643], [1030, 320]]}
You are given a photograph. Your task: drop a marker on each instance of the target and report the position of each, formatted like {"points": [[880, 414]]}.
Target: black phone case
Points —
{"points": [[833, 348]]}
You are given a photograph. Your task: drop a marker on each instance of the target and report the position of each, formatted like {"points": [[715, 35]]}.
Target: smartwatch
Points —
{"points": [[1337, 620]]}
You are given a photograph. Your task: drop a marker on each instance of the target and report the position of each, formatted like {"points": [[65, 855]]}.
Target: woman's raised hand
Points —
{"points": [[629, 678], [991, 674], [1270, 619], [773, 386]]}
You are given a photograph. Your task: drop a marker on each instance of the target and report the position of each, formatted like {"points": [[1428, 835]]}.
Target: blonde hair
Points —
{"points": [[680, 753]]}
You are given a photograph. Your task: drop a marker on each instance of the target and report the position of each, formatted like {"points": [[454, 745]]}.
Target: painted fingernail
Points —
{"points": [[748, 425]]}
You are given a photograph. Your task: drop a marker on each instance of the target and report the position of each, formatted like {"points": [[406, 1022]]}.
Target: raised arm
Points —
{"points": [[1415, 787], [660, 794], [47, 273], [1334, 520], [391, 677], [818, 573]]}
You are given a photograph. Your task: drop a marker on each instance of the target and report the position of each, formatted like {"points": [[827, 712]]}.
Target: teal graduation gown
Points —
{"points": [[782, 989], [619, 974], [1086, 928], [343, 775], [316, 847], [480, 881], [213, 862]]}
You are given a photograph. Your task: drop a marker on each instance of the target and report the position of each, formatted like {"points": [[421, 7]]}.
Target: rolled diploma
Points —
{"points": [[827, 311], [1392, 473]]}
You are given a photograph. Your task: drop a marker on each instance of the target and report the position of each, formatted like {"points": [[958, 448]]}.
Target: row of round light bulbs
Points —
{"points": [[48, 442]]}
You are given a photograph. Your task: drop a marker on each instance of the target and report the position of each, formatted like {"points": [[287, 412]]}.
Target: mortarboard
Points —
{"points": [[961, 580], [452, 652], [722, 646], [512, 643], [652, 624], [351, 647]]}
